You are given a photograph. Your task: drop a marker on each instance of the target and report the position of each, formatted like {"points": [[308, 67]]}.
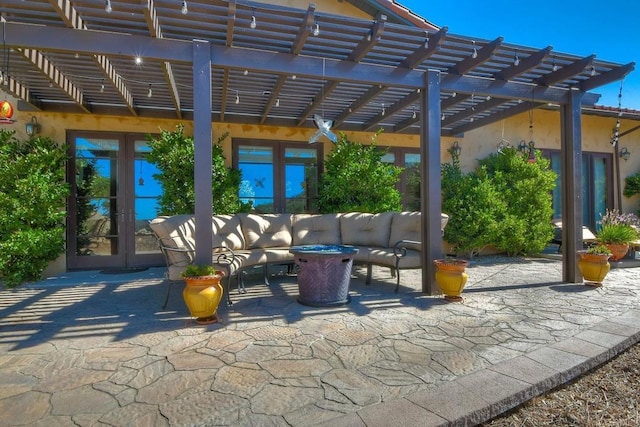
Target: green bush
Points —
{"points": [[525, 188], [632, 186], [505, 203], [173, 153], [473, 208], [357, 180], [32, 206]]}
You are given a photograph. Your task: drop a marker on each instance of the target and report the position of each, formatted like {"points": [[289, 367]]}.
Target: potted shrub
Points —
{"points": [[203, 292], [617, 231], [451, 277], [594, 264]]}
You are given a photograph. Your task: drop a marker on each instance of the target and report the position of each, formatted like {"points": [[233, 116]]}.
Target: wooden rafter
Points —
{"points": [[359, 103], [151, 16], [275, 94], [317, 100], [370, 41], [526, 64], [506, 113], [412, 98], [424, 52], [453, 100], [231, 21], [407, 123], [567, 71], [483, 55], [55, 76], [473, 110], [608, 77], [72, 19], [14, 88], [305, 30]]}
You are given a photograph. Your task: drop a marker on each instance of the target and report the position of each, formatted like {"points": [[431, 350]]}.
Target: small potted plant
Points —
{"points": [[451, 277], [594, 264], [203, 292], [617, 231]]}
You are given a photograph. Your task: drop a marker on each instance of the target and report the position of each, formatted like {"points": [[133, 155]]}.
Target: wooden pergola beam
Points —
{"points": [[369, 42], [483, 55], [432, 44]]}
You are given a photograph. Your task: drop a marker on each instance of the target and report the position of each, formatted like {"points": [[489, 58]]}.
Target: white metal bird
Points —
{"points": [[324, 128]]}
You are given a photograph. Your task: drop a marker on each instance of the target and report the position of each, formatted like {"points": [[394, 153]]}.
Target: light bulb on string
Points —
{"points": [[253, 24], [237, 98], [149, 92], [107, 6], [474, 55], [316, 30], [516, 58], [184, 9]]}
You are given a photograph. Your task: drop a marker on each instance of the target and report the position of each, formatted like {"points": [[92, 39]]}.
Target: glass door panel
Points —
{"points": [[147, 192], [257, 187], [301, 180], [97, 219]]}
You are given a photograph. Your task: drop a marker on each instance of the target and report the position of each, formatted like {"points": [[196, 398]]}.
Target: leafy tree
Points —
{"points": [[33, 195], [357, 180], [173, 153]]}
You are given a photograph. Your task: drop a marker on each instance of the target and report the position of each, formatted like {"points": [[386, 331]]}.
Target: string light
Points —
{"points": [[102, 86], [316, 29], [237, 98], [150, 92], [426, 39], [294, 77], [278, 102], [516, 58], [185, 9], [107, 6], [369, 36], [593, 70], [414, 115], [253, 24], [384, 110], [246, 72], [474, 55], [138, 60], [443, 117], [616, 130], [554, 66]]}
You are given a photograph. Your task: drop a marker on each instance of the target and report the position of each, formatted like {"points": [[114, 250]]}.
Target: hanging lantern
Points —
{"points": [[6, 112]]}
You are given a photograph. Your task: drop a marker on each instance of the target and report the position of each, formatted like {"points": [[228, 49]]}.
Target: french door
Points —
{"points": [[113, 197], [278, 177]]}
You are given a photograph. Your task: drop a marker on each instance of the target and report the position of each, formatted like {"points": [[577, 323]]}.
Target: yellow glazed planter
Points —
{"points": [[202, 295], [451, 277], [594, 267]]}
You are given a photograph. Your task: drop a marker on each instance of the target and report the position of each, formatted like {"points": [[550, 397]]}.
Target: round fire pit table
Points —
{"points": [[324, 273]]}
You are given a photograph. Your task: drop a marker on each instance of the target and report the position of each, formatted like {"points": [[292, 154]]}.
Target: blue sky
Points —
{"points": [[608, 29]]}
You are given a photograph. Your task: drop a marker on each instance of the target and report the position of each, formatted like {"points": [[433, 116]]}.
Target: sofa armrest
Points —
{"points": [[223, 255], [178, 256], [401, 247]]}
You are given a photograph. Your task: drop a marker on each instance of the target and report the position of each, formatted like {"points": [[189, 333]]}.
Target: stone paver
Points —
{"points": [[105, 353]]}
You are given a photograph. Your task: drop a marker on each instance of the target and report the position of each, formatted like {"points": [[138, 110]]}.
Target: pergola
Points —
{"points": [[255, 63]]}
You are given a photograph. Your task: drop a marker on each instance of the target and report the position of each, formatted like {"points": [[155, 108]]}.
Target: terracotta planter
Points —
{"points": [[451, 277], [594, 267], [202, 295], [618, 250]]}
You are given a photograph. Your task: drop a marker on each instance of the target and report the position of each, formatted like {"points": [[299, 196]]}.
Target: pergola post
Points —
{"points": [[430, 189], [203, 150], [571, 178]]}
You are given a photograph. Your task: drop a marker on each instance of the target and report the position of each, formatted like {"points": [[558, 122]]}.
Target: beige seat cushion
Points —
{"points": [[227, 232]]}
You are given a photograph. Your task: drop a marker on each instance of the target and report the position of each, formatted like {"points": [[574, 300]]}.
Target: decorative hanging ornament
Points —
{"points": [[6, 112]]}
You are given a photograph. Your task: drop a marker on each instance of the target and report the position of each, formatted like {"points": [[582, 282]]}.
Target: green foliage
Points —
{"points": [[173, 153], [598, 250], [506, 203], [32, 206], [632, 186], [525, 188], [195, 270], [357, 180], [473, 208], [617, 234]]}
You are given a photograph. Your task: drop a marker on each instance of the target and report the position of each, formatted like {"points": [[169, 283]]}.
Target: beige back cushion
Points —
{"points": [[316, 229], [405, 226], [365, 229], [176, 232], [227, 232], [267, 230]]}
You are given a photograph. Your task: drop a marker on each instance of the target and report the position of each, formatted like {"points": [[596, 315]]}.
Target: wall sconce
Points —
{"points": [[455, 151], [33, 127], [624, 153]]}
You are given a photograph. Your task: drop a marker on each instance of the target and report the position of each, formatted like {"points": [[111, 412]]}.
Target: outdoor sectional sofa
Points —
{"points": [[245, 240]]}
